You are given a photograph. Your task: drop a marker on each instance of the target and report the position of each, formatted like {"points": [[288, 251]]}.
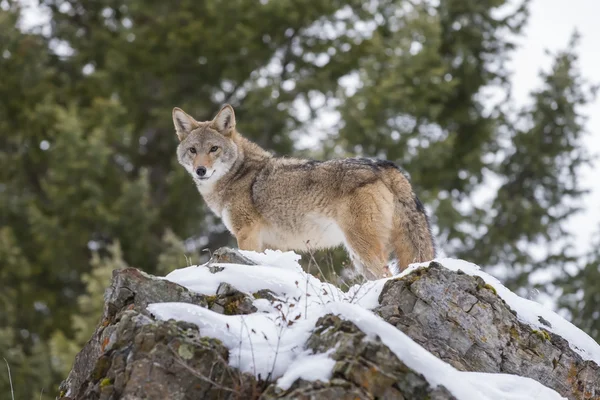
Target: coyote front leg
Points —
{"points": [[248, 238]]}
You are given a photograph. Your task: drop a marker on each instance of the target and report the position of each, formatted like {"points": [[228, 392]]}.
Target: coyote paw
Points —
{"points": [[386, 271]]}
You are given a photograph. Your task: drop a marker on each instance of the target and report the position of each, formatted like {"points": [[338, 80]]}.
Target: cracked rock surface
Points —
{"points": [[455, 316], [462, 321]]}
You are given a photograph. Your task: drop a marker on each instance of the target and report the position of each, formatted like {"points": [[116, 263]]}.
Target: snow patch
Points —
{"points": [[260, 344], [308, 366], [269, 342]]}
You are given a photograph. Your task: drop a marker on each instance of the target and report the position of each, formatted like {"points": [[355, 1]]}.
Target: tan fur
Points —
{"points": [[292, 204]]}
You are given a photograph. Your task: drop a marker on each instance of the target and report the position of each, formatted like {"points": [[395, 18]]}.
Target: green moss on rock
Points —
{"points": [[185, 351], [231, 308], [490, 288], [210, 342], [514, 332], [102, 365], [105, 382], [543, 335], [414, 276], [264, 294], [210, 300]]}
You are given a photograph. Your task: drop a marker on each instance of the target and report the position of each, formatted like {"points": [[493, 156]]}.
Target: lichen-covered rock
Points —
{"points": [[130, 289], [462, 321], [125, 319], [163, 360], [364, 369], [230, 301]]}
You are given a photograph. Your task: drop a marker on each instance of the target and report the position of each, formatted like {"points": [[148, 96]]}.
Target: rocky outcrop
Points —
{"points": [[130, 292], [455, 316], [464, 322], [128, 346]]}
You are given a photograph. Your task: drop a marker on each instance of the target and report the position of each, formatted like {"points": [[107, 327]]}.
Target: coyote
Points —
{"points": [[294, 204]]}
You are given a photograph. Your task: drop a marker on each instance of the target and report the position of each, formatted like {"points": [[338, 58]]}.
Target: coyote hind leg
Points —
{"points": [[367, 251], [367, 224]]}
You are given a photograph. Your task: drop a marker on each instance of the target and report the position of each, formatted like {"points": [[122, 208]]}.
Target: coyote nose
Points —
{"points": [[200, 171]]}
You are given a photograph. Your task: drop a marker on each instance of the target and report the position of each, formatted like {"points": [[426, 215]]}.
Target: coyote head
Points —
{"points": [[206, 149]]}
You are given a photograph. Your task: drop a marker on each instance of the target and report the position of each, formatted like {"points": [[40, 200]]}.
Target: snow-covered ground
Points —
{"points": [[271, 342]]}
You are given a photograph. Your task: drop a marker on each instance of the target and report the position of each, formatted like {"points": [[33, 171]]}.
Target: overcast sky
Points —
{"points": [[550, 27]]}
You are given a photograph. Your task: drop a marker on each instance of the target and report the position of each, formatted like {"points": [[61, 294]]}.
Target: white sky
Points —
{"points": [[550, 27]]}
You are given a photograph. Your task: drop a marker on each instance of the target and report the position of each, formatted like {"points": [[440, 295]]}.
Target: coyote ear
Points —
{"points": [[224, 122], [184, 123]]}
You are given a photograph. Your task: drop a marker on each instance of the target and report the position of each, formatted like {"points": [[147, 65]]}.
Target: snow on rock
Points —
{"points": [[259, 343], [271, 342], [307, 366], [530, 312], [463, 385]]}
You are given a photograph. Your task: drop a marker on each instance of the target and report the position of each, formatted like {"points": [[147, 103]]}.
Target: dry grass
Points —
{"points": [[12, 391]]}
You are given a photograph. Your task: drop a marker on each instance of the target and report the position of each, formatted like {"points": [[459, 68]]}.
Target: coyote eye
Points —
{"points": [[192, 150], [213, 149]]}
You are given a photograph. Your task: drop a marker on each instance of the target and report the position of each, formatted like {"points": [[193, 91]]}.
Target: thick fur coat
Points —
{"points": [[368, 206]]}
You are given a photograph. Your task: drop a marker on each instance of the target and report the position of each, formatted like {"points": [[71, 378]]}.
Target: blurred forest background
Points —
{"points": [[89, 180]]}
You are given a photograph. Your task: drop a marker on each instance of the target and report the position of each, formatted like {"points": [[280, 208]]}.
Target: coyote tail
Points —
{"points": [[412, 239]]}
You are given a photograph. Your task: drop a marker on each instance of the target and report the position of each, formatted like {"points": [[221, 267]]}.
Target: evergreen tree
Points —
{"points": [[524, 227], [88, 143], [153, 56], [578, 293], [26, 92], [26, 353]]}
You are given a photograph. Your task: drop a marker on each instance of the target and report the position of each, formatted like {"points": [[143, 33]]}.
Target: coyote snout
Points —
{"points": [[368, 206], [201, 172]]}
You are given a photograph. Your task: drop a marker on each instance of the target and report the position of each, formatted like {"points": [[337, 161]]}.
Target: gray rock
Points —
{"points": [[227, 255], [230, 301], [125, 313], [163, 360], [464, 322], [131, 289]]}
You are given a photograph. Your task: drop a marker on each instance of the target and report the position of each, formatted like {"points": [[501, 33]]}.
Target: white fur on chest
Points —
{"points": [[212, 201], [313, 232], [226, 218]]}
